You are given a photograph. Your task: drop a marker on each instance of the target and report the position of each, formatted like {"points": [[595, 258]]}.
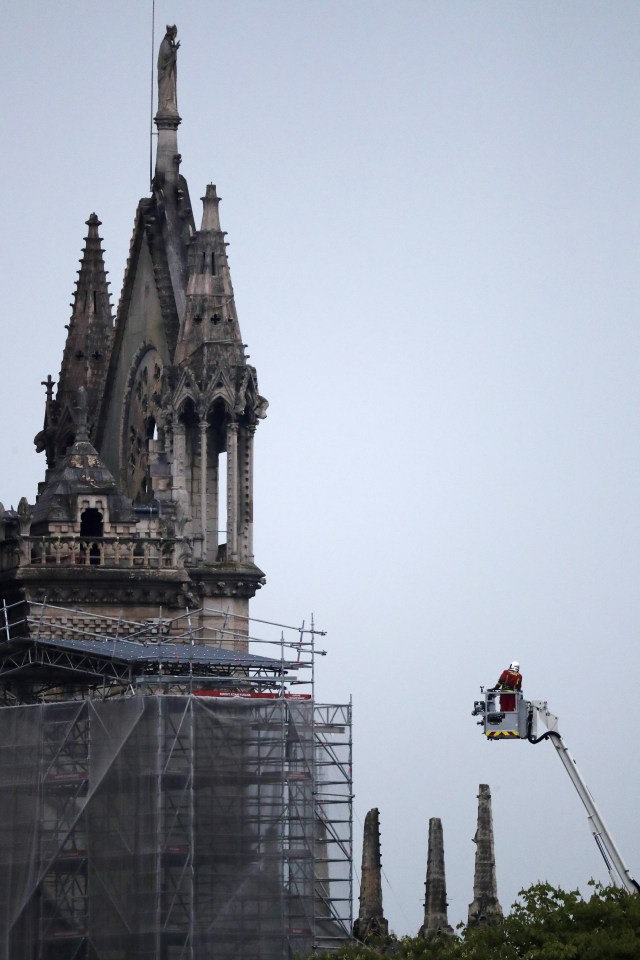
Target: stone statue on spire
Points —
{"points": [[167, 73]]}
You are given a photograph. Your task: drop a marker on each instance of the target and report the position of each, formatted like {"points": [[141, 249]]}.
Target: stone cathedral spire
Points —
{"points": [[220, 391], [86, 353], [485, 907], [170, 403], [435, 900]]}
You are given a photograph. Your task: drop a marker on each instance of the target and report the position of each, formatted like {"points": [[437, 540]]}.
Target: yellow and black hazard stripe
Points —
{"points": [[502, 734]]}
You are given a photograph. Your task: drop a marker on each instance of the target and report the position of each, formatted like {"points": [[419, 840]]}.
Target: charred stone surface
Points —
{"points": [[485, 908], [371, 922], [435, 901]]}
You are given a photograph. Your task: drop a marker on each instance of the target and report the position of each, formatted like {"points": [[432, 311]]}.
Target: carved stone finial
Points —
{"points": [[49, 384], [210, 215], [167, 74]]}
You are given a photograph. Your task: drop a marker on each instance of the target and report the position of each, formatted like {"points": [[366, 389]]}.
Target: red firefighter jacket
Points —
{"points": [[510, 680]]}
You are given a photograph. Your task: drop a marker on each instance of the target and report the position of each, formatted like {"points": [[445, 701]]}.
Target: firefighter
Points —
{"points": [[510, 681]]}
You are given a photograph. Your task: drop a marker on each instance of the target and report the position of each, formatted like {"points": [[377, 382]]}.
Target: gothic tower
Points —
{"points": [[163, 794], [170, 409]]}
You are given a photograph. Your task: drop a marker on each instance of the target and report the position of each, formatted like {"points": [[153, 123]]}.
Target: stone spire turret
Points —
{"points": [[435, 900], [216, 394], [86, 354], [485, 907], [210, 315], [182, 405], [371, 921]]}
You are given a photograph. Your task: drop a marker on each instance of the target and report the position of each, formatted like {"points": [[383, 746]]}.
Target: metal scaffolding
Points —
{"points": [[200, 814]]}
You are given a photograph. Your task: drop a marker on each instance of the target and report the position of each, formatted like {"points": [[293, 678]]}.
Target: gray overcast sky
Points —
{"points": [[433, 211]]}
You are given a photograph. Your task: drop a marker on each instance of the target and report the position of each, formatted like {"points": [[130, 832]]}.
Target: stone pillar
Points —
{"points": [[167, 146], [213, 525], [166, 179], [435, 900], [485, 907], [203, 485], [179, 493], [168, 436], [179, 455], [371, 921], [246, 492], [232, 491]]}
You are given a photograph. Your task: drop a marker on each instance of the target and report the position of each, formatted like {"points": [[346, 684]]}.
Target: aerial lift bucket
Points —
{"points": [[501, 724]]}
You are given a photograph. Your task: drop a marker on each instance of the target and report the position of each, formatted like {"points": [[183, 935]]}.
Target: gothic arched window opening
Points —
{"points": [[91, 528]]}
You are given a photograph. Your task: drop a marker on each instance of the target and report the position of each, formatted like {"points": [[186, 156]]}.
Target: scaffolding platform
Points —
{"points": [[188, 804]]}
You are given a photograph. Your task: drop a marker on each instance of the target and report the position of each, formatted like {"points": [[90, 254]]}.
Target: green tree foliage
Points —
{"points": [[544, 924]]}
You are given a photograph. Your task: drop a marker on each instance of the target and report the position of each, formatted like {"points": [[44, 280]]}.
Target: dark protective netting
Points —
{"points": [[165, 827]]}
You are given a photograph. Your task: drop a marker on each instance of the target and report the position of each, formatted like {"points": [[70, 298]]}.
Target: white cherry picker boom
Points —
{"points": [[520, 723]]}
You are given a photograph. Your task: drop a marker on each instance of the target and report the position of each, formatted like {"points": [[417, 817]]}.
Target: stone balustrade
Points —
{"points": [[151, 553]]}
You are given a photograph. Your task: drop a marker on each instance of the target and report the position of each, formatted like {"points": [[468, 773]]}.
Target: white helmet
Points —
{"points": [[515, 666]]}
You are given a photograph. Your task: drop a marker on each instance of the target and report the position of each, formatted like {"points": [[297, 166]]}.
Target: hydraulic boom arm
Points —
{"points": [[518, 721], [604, 840]]}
